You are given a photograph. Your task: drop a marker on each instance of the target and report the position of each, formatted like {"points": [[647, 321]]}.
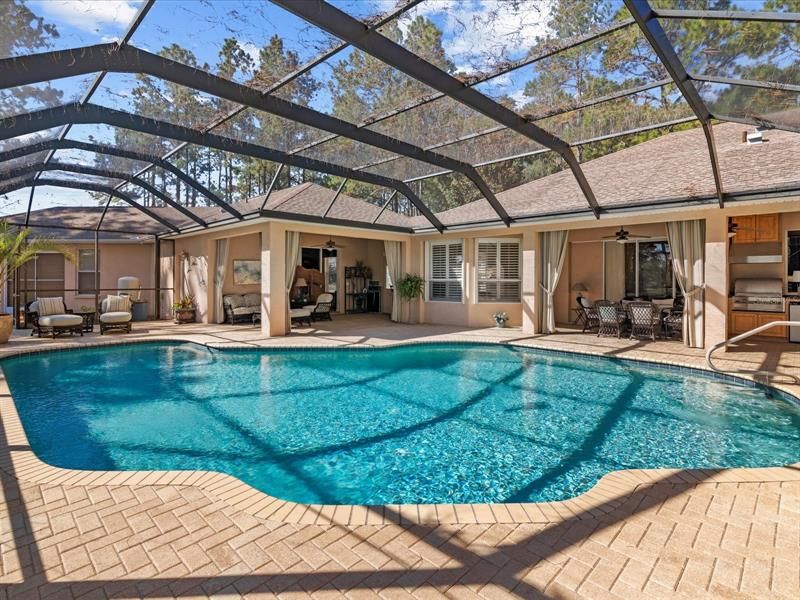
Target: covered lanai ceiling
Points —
{"points": [[189, 110]]}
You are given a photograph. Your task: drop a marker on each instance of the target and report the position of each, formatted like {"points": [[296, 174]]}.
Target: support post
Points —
{"points": [[716, 280], [97, 271], [157, 277], [274, 310], [531, 297]]}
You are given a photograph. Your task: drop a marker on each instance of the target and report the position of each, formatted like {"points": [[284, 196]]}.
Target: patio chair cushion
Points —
{"points": [[116, 304], [245, 310], [233, 300], [116, 317], [252, 299], [296, 313], [60, 321], [49, 306]]}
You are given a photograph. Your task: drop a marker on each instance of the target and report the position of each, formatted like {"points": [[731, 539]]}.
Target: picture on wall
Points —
{"points": [[246, 272]]}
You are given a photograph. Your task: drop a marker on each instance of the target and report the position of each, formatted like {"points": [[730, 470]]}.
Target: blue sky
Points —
{"points": [[476, 34]]}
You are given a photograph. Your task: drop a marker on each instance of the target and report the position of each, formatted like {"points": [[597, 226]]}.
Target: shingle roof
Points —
{"points": [[673, 166], [304, 199]]}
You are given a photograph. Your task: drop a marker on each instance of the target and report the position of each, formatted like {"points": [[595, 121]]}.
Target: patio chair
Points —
{"points": [[50, 316], [673, 319], [611, 318], [645, 319], [322, 309], [115, 314], [588, 314]]}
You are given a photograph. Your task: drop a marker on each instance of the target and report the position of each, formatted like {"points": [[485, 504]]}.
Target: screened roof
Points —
{"points": [[411, 116]]}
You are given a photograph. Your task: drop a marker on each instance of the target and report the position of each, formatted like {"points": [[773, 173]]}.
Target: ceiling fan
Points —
{"points": [[623, 236], [329, 245]]}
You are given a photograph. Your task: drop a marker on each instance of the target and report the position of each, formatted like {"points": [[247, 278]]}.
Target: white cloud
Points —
{"points": [[91, 15], [520, 98], [253, 51], [478, 33]]}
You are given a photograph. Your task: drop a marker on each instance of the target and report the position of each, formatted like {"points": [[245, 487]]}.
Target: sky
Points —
{"points": [[476, 35]]}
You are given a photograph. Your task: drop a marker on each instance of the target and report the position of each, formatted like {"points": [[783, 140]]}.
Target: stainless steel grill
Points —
{"points": [[760, 295]]}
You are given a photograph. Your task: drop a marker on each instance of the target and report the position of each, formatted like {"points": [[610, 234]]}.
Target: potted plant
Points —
{"points": [[16, 250], [185, 310], [500, 319], [410, 288]]}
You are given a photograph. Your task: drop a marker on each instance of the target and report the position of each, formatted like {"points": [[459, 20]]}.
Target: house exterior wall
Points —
{"points": [[584, 262]]}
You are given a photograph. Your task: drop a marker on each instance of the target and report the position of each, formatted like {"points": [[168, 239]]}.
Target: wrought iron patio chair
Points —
{"points": [[673, 319], [588, 314]]}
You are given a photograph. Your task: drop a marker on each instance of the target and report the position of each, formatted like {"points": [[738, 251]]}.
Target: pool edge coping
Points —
{"points": [[611, 490]]}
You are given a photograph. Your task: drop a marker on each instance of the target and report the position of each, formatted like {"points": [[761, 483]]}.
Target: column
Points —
{"points": [[531, 296], [716, 279], [273, 280]]}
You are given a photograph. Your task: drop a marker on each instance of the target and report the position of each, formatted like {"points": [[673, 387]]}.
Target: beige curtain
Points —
{"points": [[394, 266], [221, 262], [292, 254], [554, 251], [614, 271], [687, 243]]}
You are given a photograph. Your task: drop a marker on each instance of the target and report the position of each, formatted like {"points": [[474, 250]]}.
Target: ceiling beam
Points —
{"points": [[729, 15], [92, 187], [345, 27], [657, 37], [67, 144], [766, 85], [97, 172], [91, 114], [25, 70]]}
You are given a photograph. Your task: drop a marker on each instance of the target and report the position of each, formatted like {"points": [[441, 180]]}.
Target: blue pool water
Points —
{"points": [[434, 423]]}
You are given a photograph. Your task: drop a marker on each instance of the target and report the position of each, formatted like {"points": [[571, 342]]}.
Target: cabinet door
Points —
{"points": [[775, 332], [743, 321], [746, 232], [767, 228]]}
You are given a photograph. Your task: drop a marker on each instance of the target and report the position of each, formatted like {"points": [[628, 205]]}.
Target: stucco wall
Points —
{"points": [[242, 247], [116, 260]]}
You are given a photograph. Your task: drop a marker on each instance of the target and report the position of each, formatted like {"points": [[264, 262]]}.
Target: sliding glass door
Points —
{"points": [[638, 269]]}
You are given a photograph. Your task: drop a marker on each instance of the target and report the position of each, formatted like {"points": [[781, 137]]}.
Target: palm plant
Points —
{"points": [[16, 249]]}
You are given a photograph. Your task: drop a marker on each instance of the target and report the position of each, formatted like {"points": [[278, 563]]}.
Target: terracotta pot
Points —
{"points": [[6, 326]]}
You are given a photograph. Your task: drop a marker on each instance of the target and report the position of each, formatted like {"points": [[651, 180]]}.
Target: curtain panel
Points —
{"points": [[687, 243], [553, 251], [394, 265], [292, 254], [221, 261]]}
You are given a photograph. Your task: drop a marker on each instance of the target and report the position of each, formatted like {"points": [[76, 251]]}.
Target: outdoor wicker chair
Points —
{"points": [[644, 318], [611, 318], [588, 314], [673, 319]]}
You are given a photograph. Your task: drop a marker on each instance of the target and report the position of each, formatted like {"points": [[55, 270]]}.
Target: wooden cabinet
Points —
{"points": [[757, 228], [741, 321]]}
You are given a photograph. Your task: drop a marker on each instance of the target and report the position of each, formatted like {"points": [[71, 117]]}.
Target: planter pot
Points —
{"points": [[185, 315], [6, 326], [500, 324]]}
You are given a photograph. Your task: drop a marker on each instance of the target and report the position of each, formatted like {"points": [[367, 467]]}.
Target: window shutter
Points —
{"points": [[445, 271], [498, 271]]}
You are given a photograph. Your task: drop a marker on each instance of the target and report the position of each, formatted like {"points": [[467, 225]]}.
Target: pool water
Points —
{"points": [[413, 424]]}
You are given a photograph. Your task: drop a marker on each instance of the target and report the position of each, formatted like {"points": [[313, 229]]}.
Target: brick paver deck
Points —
{"points": [[655, 534]]}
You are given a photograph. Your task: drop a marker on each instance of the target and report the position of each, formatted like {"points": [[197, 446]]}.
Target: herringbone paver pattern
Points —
{"points": [[667, 539]]}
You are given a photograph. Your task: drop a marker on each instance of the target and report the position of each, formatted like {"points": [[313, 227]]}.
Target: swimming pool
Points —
{"points": [[411, 424]]}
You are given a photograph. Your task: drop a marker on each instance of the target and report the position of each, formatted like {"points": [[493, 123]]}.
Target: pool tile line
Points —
{"points": [[607, 494]]}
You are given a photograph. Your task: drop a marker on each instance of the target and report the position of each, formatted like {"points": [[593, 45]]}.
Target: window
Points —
{"points": [[498, 270], [311, 258], [640, 269], [42, 277], [85, 272], [445, 271]]}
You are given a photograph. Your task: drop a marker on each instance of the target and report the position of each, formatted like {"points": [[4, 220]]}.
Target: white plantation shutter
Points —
{"points": [[446, 271], [498, 270]]}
